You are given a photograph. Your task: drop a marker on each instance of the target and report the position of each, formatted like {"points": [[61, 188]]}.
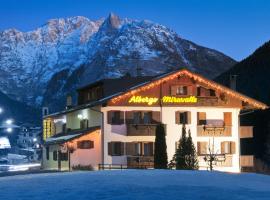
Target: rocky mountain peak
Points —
{"points": [[67, 52]]}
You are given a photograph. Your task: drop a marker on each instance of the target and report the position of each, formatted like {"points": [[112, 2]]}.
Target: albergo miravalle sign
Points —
{"points": [[165, 99]]}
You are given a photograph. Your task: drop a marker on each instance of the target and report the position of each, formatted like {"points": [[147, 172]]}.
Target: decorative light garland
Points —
{"points": [[196, 78]]}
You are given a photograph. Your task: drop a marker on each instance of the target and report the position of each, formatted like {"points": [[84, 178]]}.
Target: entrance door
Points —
{"points": [[59, 160]]}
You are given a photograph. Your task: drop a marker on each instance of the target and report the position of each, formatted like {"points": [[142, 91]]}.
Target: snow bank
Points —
{"points": [[136, 184]]}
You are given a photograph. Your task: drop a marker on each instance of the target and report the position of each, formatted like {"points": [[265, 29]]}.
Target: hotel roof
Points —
{"points": [[142, 84]]}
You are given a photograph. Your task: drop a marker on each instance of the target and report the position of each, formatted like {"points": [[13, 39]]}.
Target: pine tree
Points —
{"points": [[180, 154], [191, 157], [160, 156]]}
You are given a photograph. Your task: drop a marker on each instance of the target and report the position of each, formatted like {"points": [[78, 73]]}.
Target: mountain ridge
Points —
{"points": [[64, 48]]}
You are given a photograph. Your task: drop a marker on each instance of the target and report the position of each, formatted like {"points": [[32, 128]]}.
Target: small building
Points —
{"points": [[115, 120], [29, 142]]}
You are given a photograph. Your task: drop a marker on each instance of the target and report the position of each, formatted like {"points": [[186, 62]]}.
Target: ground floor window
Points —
{"points": [[64, 156], [55, 155], [116, 148], [148, 149], [47, 153], [85, 144]]}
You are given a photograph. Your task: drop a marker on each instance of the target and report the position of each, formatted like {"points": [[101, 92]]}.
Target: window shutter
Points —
{"points": [[190, 90], [109, 148], [201, 118], [227, 118], [232, 145], [222, 148], [156, 117], [121, 117], [122, 148], [198, 147], [173, 90], [204, 147], [188, 117], [177, 117], [129, 117], [109, 117]]}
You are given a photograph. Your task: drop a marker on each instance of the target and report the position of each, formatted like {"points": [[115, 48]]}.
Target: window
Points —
{"points": [[147, 117], [116, 148], [137, 117], [133, 148], [115, 117], [227, 147], [137, 149], [148, 149], [183, 117], [203, 92], [55, 155], [202, 148], [181, 90], [64, 156], [84, 124], [201, 118], [212, 93], [227, 118], [47, 153], [85, 144]]}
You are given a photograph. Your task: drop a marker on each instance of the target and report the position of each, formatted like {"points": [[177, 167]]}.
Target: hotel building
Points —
{"points": [[114, 122]]}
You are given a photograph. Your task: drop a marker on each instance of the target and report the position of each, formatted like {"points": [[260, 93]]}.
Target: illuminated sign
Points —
{"points": [[170, 99], [166, 99], [140, 99]]}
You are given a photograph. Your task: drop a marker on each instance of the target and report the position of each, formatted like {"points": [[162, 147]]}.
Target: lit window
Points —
{"points": [[181, 90]]}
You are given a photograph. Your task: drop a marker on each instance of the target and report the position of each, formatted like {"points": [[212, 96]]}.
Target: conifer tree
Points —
{"points": [[160, 156], [181, 150], [185, 156], [191, 157]]}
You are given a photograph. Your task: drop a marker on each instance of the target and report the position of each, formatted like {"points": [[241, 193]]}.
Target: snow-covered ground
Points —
{"points": [[136, 184]]}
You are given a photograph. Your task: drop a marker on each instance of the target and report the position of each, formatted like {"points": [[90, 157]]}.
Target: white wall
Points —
{"points": [[116, 132], [94, 118]]}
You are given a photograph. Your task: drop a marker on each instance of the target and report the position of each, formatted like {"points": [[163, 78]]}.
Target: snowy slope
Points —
{"points": [[69, 52], [136, 184]]}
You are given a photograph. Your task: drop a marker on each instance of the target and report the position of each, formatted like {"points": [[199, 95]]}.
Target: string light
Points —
{"points": [[195, 77]]}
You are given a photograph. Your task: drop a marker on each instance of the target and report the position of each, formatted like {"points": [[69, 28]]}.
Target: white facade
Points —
{"points": [[173, 130]]}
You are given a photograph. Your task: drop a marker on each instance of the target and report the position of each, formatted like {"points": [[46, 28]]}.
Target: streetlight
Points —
{"points": [[9, 121], [9, 130]]}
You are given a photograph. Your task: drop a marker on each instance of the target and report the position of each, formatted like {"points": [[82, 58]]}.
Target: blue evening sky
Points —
{"points": [[234, 27]]}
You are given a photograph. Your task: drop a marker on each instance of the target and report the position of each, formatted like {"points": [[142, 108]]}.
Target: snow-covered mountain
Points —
{"points": [[41, 66]]}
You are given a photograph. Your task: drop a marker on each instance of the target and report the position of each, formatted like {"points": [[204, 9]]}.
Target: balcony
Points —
{"points": [[211, 131], [142, 129], [140, 162], [206, 101], [246, 131]]}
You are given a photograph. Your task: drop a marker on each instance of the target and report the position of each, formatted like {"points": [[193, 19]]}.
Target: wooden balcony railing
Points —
{"points": [[142, 129], [214, 131], [139, 161], [206, 101], [246, 131]]}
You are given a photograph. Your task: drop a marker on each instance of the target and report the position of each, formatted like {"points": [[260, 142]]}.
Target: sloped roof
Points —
{"points": [[149, 82], [211, 84], [65, 137]]}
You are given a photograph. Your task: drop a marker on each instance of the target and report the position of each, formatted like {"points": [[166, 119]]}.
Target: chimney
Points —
{"points": [[233, 82], [45, 111], [69, 102]]}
